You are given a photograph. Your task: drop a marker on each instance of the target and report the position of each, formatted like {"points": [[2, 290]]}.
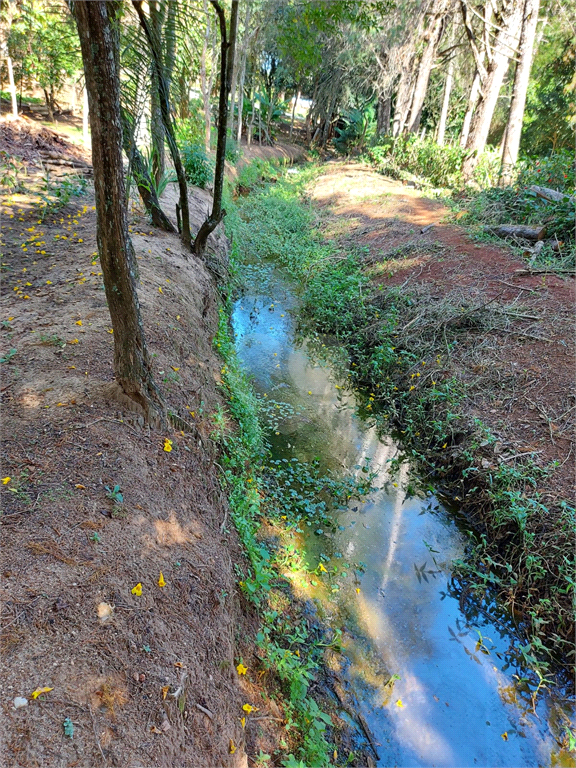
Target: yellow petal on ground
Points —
{"points": [[40, 691], [505, 735], [167, 445], [174, 368], [249, 708], [160, 289], [161, 581], [79, 485], [78, 322], [241, 669], [165, 690], [243, 722], [137, 590], [6, 480], [232, 747], [399, 704]]}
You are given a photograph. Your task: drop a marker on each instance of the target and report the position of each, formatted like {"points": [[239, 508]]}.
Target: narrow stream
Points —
{"points": [[455, 701]]}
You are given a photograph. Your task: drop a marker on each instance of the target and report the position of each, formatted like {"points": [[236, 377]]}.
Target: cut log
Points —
{"points": [[518, 230], [548, 194]]}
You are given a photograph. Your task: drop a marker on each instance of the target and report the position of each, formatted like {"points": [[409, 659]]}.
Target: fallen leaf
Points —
{"points": [[165, 690], [79, 485], [178, 664], [243, 722], [161, 582], [39, 691], [155, 730], [105, 611], [137, 590], [165, 725]]}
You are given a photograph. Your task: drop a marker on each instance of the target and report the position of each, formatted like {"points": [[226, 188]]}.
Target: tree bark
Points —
{"points": [[521, 79], [472, 100], [97, 24], [168, 126], [232, 71], [227, 48], [383, 115], [497, 68]]}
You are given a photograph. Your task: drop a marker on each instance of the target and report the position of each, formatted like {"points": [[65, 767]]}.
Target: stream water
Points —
{"points": [[456, 700]]}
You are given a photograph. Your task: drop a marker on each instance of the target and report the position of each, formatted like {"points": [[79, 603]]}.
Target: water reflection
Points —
{"points": [[453, 705]]}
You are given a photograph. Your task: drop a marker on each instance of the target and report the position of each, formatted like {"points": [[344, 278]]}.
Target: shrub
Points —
{"points": [[197, 165]]}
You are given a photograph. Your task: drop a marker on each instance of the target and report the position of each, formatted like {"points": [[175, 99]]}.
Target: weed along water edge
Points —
{"points": [[432, 682]]}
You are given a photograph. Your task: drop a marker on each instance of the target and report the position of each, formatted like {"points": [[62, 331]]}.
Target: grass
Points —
{"points": [[400, 347], [257, 488]]}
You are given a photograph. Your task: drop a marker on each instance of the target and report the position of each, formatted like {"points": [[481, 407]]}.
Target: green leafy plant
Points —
{"points": [[114, 494]]}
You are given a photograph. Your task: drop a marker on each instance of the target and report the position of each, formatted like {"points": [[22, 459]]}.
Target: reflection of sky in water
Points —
{"points": [[401, 622]]}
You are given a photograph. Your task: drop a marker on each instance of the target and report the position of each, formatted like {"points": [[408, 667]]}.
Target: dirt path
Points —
{"points": [[520, 377]]}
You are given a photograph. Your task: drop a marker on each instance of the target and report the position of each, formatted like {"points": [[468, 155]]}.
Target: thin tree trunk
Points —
{"points": [[433, 36], [232, 72], [141, 176], [445, 104], [227, 49], [497, 68], [472, 100], [521, 79], [157, 132], [12, 87], [98, 25], [293, 113], [383, 115], [168, 126]]}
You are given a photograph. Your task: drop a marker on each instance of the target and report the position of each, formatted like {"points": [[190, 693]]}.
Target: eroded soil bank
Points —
{"points": [[94, 505]]}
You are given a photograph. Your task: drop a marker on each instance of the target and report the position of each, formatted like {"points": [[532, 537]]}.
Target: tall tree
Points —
{"points": [[97, 24], [227, 50], [519, 91], [504, 49], [432, 37], [183, 210]]}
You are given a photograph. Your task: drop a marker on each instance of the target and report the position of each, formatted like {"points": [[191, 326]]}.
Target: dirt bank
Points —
{"points": [[95, 504]]}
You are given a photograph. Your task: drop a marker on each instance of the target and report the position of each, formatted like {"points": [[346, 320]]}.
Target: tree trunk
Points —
{"points": [[227, 49], [157, 132], [98, 25], [472, 100], [168, 126], [497, 68], [445, 104], [232, 71], [12, 87], [49, 105], [205, 81], [403, 99], [383, 115], [293, 113], [141, 176], [433, 36], [521, 79]]}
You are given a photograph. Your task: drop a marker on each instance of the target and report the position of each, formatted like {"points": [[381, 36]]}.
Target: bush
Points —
{"points": [[197, 165], [406, 155]]}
